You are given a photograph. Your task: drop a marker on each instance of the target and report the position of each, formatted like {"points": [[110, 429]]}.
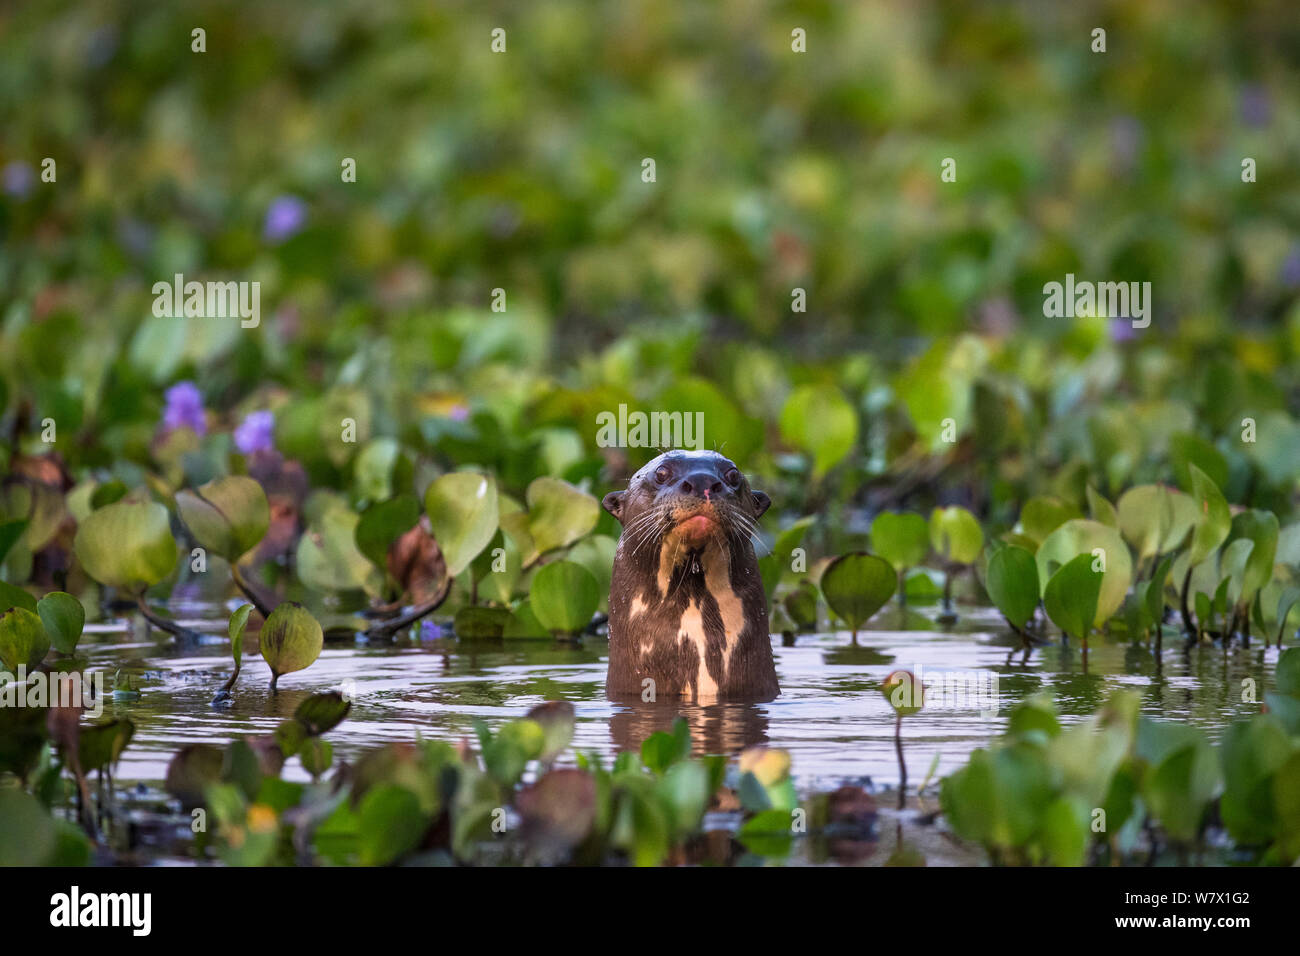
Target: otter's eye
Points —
{"points": [[661, 474], [733, 477]]}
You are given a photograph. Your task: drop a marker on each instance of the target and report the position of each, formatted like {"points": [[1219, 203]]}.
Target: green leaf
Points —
{"points": [[1215, 520], [64, 618], [382, 523], [228, 516], [1261, 528], [127, 545], [23, 641], [661, 750], [321, 713], [1042, 515], [1012, 581], [955, 534], [462, 508], [857, 585], [902, 539], [772, 567], [1287, 675], [819, 421], [13, 596], [291, 639], [1083, 536], [1070, 598], [327, 556], [1100, 509], [390, 824], [238, 624], [477, 623], [1145, 516], [558, 514], [564, 596]]}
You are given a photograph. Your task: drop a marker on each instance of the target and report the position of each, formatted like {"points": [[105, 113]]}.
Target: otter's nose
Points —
{"points": [[702, 484]]}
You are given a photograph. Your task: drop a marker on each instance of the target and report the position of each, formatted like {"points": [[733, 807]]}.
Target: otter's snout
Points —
{"points": [[702, 484]]}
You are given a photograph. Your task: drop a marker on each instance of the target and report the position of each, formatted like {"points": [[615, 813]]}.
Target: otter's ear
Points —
{"points": [[761, 503], [613, 503]]}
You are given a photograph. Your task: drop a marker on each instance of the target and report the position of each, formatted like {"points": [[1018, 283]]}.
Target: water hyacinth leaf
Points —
{"points": [[228, 516], [684, 787], [564, 596], [904, 693], [1252, 752], [127, 545], [191, 771], [1145, 516], [462, 508], [316, 755], [291, 639], [523, 624], [955, 535], [1214, 521], [238, 624], [12, 596], [1012, 583], [661, 750], [1287, 675], [772, 567], [1070, 597], [556, 718], [1100, 509], [27, 831], [10, 532], [479, 623], [328, 559], [558, 514], [1104, 545], [768, 833], [1179, 789], [1044, 514], [23, 641], [390, 824], [901, 538], [801, 605], [857, 585], [64, 618], [1260, 527], [321, 713], [507, 753], [1066, 832], [819, 421], [382, 523]]}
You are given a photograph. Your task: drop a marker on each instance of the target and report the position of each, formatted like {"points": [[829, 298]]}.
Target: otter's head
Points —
{"points": [[689, 500]]}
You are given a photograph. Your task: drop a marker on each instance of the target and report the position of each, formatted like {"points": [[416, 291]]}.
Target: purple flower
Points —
{"points": [[19, 179], [256, 433], [1291, 268], [1256, 106], [184, 408], [285, 218], [1121, 329], [459, 412]]}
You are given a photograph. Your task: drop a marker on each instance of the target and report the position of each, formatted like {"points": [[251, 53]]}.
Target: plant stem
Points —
{"points": [[902, 764], [388, 628], [171, 627], [249, 593], [1187, 614]]}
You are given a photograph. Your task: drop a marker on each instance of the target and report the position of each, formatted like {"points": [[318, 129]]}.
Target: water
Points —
{"points": [[830, 715]]}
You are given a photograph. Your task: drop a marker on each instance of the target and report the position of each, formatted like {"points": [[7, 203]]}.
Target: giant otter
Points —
{"points": [[686, 603]]}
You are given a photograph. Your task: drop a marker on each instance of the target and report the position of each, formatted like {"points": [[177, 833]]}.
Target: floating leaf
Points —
{"points": [[564, 596], [1101, 543], [328, 559], [227, 516], [1012, 582], [64, 618], [238, 624], [23, 641], [1070, 597], [558, 513], [382, 524], [462, 509], [1215, 520], [127, 545], [321, 713], [902, 539], [857, 585], [291, 639], [819, 421], [905, 694], [955, 534]]}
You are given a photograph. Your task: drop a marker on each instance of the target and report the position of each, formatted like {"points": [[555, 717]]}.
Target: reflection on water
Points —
{"points": [[830, 715]]}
